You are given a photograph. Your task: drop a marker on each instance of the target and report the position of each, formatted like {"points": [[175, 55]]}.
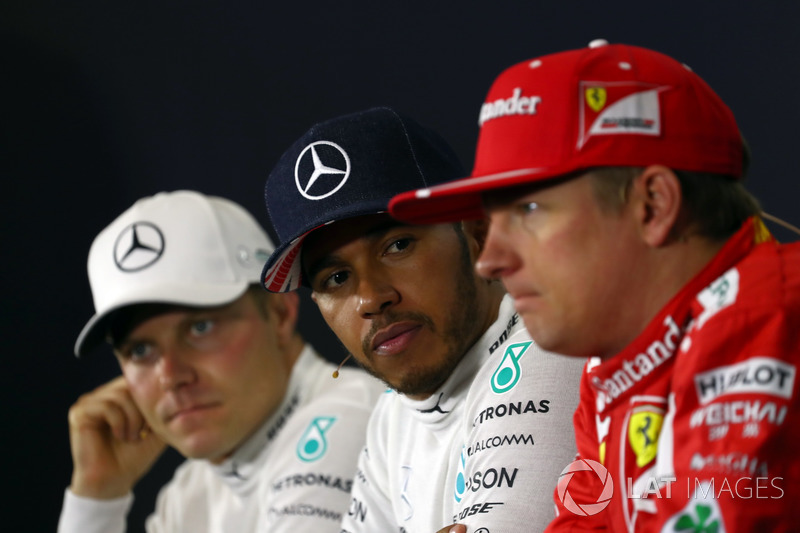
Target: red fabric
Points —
{"points": [[716, 413], [606, 105]]}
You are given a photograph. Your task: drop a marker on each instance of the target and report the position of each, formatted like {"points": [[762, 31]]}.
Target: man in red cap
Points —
{"points": [[612, 177]]}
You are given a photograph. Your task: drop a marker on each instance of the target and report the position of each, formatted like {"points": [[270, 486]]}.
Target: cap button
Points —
{"points": [[597, 43]]}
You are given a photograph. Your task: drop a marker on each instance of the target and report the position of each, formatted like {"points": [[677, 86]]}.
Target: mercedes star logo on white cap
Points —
{"points": [[138, 246]]}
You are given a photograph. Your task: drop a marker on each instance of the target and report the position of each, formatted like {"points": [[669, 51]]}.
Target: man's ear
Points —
{"points": [[284, 308], [656, 199], [478, 230]]}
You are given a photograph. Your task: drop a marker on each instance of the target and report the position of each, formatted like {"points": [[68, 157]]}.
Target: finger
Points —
{"points": [[456, 528], [99, 414], [118, 392], [124, 420], [106, 411], [134, 417]]}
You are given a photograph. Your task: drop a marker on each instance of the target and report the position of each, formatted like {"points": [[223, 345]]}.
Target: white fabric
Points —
{"points": [[178, 247], [88, 516], [471, 454], [265, 485]]}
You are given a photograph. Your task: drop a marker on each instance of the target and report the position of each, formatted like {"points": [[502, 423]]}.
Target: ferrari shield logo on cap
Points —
{"points": [[619, 108], [595, 98]]}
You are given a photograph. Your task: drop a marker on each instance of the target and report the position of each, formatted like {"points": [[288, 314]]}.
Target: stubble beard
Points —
{"points": [[458, 336]]}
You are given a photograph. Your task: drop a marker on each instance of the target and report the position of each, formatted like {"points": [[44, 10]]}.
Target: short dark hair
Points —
{"points": [[261, 297], [714, 206]]}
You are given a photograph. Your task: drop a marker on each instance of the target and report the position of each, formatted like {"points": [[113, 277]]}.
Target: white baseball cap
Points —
{"points": [[181, 248]]}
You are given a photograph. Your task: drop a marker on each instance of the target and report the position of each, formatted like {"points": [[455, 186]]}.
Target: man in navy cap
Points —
{"points": [[476, 425]]}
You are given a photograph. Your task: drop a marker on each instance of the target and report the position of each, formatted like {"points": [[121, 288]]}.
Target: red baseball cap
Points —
{"points": [[605, 105]]}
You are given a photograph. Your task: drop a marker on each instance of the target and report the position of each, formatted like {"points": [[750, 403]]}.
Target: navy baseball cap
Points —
{"points": [[342, 168]]}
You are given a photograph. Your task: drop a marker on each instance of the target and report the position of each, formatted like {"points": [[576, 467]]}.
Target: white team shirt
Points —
{"points": [[294, 474], [485, 450]]}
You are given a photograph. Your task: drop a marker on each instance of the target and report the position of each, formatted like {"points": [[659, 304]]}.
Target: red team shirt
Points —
{"points": [[697, 422]]}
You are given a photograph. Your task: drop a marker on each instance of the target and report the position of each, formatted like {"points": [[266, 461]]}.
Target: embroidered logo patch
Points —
{"points": [[313, 443], [322, 168], [700, 515], [619, 108], [138, 246], [643, 430], [461, 482], [508, 372], [757, 375], [596, 98]]}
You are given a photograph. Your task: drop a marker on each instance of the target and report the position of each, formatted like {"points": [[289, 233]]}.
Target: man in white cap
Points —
{"points": [[212, 366]]}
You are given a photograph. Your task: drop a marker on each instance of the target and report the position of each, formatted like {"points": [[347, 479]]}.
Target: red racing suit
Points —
{"points": [[695, 426]]}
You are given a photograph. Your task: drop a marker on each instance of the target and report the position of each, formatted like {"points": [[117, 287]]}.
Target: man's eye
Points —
{"points": [[335, 280], [140, 350], [398, 246], [201, 327], [528, 207]]}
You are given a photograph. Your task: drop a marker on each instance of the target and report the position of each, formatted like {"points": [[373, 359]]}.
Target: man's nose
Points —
{"points": [[498, 258], [376, 293], [175, 368]]}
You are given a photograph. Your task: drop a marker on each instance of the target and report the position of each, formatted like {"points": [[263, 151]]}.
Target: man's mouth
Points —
{"points": [[395, 338], [189, 411]]}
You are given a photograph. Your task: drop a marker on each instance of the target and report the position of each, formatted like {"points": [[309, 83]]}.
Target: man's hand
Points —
{"points": [[456, 528], [111, 445]]}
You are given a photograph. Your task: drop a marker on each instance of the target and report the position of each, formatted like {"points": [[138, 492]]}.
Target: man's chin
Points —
{"points": [[419, 384], [201, 447]]}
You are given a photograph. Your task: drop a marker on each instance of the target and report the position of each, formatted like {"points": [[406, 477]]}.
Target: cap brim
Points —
{"points": [[95, 331], [456, 200], [282, 272]]}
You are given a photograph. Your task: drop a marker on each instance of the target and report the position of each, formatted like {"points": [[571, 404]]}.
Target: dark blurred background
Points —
{"points": [[104, 102]]}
